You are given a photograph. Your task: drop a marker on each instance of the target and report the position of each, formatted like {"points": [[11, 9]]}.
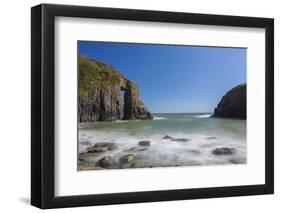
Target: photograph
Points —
{"points": [[138, 105], [146, 105]]}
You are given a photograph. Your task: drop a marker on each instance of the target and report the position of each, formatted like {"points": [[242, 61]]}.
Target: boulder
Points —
{"points": [[105, 162], [88, 155], [166, 137], [181, 139], [144, 143], [95, 150], [224, 151], [106, 145], [126, 158]]}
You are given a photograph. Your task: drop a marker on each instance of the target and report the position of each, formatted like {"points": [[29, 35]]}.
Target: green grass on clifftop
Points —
{"points": [[93, 75]]}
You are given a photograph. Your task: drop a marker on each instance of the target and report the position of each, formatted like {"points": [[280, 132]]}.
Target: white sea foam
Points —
{"points": [[125, 121], [203, 116], [197, 151], [203, 135], [158, 118], [121, 121]]}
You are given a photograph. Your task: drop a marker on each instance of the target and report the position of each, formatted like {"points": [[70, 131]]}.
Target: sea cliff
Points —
{"points": [[105, 94], [233, 104]]}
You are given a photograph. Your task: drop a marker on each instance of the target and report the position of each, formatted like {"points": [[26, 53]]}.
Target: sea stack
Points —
{"points": [[105, 94], [233, 103]]}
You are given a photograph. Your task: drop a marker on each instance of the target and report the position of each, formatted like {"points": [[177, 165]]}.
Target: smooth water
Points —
{"points": [[204, 134]]}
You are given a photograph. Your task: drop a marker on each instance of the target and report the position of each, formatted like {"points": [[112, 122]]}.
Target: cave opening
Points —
{"points": [[121, 103], [122, 93]]}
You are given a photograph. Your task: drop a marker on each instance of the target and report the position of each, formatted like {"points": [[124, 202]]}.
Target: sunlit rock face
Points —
{"points": [[233, 103], [100, 96]]}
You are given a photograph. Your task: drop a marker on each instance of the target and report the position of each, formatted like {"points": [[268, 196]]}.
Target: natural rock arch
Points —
{"points": [[103, 102]]}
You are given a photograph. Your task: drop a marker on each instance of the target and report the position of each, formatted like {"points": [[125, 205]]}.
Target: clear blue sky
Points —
{"points": [[174, 78]]}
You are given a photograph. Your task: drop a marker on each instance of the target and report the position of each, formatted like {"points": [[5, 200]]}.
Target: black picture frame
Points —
{"points": [[43, 102]]}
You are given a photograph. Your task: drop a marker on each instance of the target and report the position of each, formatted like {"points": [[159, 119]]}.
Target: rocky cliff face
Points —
{"points": [[233, 103], [101, 97]]}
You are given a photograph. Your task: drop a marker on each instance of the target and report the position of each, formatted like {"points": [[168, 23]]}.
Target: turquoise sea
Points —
{"points": [[202, 134]]}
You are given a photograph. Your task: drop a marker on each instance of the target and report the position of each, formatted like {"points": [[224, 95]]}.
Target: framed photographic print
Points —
{"points": [[139, 106]]}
